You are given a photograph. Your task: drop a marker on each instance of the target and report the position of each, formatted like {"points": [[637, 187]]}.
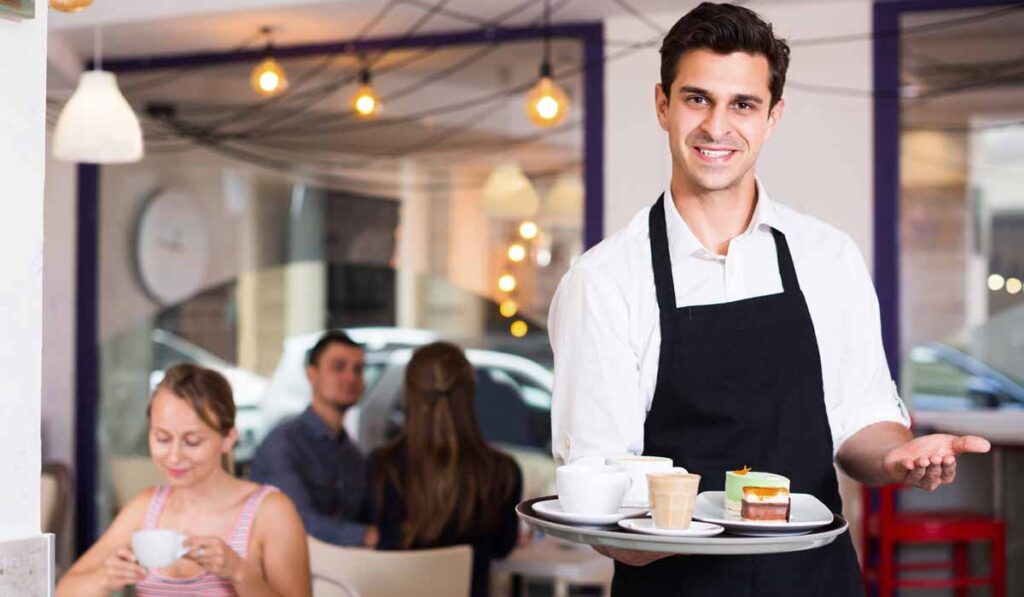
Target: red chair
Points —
{"points": [[887, 527]]}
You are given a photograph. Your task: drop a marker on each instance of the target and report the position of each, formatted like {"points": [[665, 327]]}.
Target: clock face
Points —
{"points": [[172, 247]]}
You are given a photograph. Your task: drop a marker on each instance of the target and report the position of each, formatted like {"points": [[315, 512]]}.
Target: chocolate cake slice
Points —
{"points": [[765, 504]]}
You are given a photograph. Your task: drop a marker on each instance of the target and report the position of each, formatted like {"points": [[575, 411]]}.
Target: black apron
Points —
{"points": [[739, 384]]}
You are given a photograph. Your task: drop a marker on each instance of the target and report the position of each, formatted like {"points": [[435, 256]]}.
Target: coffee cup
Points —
{"points": [[158, 548], [591, 488], [673, 497], [638, 467]]}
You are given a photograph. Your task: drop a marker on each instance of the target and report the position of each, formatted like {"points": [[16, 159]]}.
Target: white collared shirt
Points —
{"points": [[604, 325]]}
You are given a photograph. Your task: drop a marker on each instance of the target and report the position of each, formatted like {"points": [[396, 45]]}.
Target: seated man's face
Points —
{"points": [[337, 377]]}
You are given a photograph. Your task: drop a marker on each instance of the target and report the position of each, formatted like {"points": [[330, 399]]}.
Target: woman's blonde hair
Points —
{"points": [[209, 395]]}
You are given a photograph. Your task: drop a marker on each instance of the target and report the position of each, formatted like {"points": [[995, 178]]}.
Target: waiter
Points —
{"points": [[722, 329]]}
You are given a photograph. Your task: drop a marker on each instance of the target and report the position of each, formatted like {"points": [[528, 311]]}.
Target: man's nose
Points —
{"points": [[716, 124]]}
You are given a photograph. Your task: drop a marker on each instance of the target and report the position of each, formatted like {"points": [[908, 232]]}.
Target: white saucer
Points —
{"points": [[806, 514], [552, 509], [646, 525]]}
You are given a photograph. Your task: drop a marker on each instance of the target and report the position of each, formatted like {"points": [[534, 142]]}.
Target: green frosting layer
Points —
{"points": [[734, 483]]}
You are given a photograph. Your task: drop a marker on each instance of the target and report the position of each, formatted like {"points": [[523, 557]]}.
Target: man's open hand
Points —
{"points": [[930, 461]]}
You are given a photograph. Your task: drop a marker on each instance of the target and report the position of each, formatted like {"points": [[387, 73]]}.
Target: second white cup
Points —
{"points": [[591, 488], [638, 467]]}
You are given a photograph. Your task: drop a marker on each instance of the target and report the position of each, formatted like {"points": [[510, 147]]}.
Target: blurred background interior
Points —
{"points": [[385, 173]]}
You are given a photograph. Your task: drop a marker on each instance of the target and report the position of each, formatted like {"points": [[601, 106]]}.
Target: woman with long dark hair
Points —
{"points": [[439, 483]]}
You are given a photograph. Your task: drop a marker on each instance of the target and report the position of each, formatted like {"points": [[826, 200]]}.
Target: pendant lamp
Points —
{"points": [[508, 193], [564, 204], [97, 125]]}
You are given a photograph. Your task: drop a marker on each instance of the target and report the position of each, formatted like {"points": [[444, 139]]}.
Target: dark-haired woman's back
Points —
{"points": [[391, 516], [440, 483]]}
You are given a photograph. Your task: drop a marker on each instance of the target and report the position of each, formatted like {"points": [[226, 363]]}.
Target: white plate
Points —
{"points": [[646, 525], [552, 509], [806, 513]]}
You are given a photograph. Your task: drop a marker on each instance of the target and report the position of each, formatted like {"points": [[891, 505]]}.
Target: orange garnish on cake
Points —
{"points": [[764, 492], [746, 469]]}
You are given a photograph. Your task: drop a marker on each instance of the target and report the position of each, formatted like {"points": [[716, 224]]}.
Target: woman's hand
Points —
{"points": [[216, 557], [120, 569]]}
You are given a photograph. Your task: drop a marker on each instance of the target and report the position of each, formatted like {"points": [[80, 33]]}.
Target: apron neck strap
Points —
{"points": [[664, 285]]}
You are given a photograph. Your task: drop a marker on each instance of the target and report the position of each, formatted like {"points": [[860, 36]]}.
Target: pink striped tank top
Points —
{"points": [[205, 584]]}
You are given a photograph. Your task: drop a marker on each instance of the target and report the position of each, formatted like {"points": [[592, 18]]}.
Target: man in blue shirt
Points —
{"points": [[312, 459]]}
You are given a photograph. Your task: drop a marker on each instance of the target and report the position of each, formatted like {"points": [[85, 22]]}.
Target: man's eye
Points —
{"points": [[696, 99], [744, 106]]}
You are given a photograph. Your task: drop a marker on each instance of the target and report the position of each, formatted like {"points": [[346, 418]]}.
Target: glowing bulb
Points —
{"points": [[518, 328], [508, 308], [365, 102], [268, 78], [995, 282], [528, 230], [547, 104], [543, 257], [516, 252], [507, 283], [1014, 285]]}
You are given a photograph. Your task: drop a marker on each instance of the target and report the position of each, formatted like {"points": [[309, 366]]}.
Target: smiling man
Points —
{"points": [[722, 329], [313, 460]]}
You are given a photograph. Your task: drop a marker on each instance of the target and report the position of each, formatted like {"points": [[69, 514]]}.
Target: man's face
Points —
{"points": [[337, 377], [717, 117]]}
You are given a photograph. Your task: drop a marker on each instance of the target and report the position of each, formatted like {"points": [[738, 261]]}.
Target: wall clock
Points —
{"points": [[171, 247]]}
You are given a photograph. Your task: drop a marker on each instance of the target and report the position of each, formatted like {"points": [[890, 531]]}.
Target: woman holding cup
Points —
{"points": [[236, 537]]}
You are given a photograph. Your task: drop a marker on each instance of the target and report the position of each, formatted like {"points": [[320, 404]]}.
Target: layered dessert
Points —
{"points": [[765, 504], [737, 481]]}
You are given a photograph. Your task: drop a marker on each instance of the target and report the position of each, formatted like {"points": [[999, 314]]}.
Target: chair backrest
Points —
{"points": [[130, 475], [55, 496], [442, 572], [328, 587]]}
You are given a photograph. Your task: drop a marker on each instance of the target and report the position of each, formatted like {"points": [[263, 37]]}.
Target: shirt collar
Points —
{"points": [[683, 243], [317, 427]]}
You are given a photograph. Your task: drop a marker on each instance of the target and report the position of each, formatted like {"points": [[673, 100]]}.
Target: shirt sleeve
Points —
{"points": [[274, 464], [868, 394], [597, 409]]}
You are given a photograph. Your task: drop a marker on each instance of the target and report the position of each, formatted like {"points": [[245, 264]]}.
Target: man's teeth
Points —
{"points": [[716, 154]]}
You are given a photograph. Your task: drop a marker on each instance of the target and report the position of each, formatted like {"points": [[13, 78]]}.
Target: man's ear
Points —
{"points": [[661, 101], [775, 116]]}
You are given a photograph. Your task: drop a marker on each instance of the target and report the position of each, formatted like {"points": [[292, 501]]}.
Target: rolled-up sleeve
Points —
{"points": [[597, 410], [868, 394]]}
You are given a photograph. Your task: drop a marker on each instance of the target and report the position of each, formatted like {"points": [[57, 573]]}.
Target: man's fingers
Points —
{"points": [[932, 476], [971, 443]]}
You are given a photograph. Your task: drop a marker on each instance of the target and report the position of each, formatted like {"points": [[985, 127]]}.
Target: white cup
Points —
{"points": [[638, 467], [158, 548], [591, 488]]}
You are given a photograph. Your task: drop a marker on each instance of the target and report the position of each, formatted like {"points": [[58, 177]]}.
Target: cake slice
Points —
{"points": [[765, 504], [736, 481]]}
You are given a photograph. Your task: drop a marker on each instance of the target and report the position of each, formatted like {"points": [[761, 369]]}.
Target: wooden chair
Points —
{"points": [[887, 527], [442, 572]]}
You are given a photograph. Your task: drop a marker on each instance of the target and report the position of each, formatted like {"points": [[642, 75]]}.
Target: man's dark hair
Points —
{"points": [[329, 337], [724, 29]]}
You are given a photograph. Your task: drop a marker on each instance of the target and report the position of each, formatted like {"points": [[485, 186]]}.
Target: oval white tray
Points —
{"points": [[723, 544]]}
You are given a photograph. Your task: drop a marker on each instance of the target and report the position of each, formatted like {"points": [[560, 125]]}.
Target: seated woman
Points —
{"points": [[439, 483], [243, 538]]}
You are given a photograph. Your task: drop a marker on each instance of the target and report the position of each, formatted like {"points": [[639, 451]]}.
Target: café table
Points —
{"points": [[559, 562], [1003, 428]]}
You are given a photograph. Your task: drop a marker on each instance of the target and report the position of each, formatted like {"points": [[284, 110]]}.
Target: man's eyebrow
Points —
{"points": [[742, 97]]}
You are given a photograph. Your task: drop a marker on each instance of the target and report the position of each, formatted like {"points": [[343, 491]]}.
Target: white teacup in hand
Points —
{"points": [[158, 548], [591, 488]]}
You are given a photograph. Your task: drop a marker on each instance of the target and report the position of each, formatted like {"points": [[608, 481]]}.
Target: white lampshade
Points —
{"points": [[509, 194], [97, 125], [564, 205]]}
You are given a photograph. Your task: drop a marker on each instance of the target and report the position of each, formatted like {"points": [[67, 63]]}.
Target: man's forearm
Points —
{"points": [[862, 456]]}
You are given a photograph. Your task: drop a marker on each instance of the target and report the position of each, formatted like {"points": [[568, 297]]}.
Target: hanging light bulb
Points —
{"points": [[996, 282], [268, 77], [528, 230], [97, 125], [365, 101], [516, 252], [518, 328], [69, 5], [508, 308], [507, 283], [547, 103]]}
